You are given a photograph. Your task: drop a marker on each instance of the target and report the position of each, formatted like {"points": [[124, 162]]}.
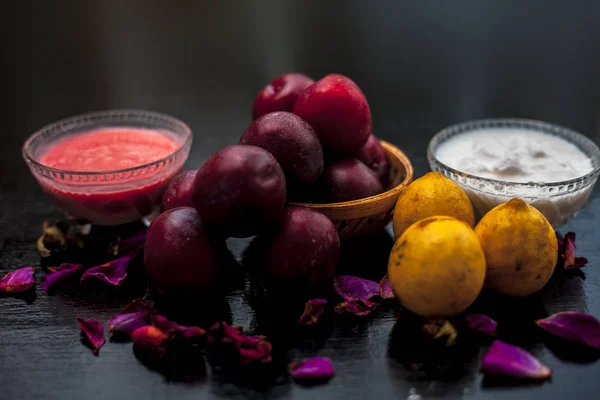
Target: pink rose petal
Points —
{"points": [[127, 323], [385, 289], [312, 312], [570, 261], [503, 359], [113, 272], [316, 368], [480, 323], [17, 281], [359, 308], [574, 326], [353, 288], [59, 274], [93, 332]]}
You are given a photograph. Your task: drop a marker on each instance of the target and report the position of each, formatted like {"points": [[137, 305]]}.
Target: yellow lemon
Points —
{"points": [[432, 194], [437, 267], [520, 248]]}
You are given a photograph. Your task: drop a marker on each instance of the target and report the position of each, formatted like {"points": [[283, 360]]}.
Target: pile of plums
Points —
{"points": [[311, 142]]}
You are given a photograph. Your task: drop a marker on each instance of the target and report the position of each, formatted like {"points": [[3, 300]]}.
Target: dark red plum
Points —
{"points": [[303, 252], [292, 141], [179, 191], [338, 111], [239, 190], [280, 94], [179, 254], [373, 156], [350, 179]]}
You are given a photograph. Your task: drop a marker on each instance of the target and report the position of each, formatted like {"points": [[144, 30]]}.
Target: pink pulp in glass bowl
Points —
{"points": [[108, 167]]}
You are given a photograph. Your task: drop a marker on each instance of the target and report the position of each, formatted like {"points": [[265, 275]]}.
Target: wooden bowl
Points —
{"points": [[362, 217]]}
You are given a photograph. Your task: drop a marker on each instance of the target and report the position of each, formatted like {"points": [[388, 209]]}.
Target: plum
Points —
{"points": [[179, 254], [338, 111], [179, 191], [280, 94], [292, 141], [349, 179], [239, 189], [373, 156], [303, 251]]}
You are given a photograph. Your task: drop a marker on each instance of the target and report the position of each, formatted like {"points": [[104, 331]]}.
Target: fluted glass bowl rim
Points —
{"points": [[571, 136], [123, 115]]}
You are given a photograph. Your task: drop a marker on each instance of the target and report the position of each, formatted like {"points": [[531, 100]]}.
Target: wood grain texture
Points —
{"points": [[423, 66]]}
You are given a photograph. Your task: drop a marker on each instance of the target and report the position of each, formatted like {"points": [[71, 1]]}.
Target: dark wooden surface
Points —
{"points": [[423, 65]]}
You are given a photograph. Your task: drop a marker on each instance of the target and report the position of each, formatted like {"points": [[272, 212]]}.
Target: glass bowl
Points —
{"points": [[108, 197], [558, 201]]}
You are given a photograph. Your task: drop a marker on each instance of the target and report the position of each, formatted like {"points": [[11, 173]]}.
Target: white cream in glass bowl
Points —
{"points": [[494, 160]]}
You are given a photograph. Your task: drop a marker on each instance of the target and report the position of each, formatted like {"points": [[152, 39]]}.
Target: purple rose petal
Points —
{"points": [[568, 253], [503, 359], [312, 312], [480, 323], [113, 272], [151, 338], [17, 281], [59, 274], [128, 244], [574, 326], [93, 332], [127, 323], [359, 307], [353, 288], [316, 368], [385, 289]]}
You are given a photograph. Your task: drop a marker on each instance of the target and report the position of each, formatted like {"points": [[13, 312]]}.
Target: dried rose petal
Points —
{"points": [[568, 254], [57, 238], [574, 326], [59, 274], [480, 323], [503, 359], [250, 349], [441, 329], [358, 307], [312, 311], [93, 331], [315, 368], [151, 338], [385, 289], [113, 272], [17, 281], [353, 288], [173, 328], [131, 243], [133, 316]]}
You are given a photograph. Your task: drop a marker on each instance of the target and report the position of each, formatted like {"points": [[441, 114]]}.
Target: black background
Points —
{"points": [[422, 65]]}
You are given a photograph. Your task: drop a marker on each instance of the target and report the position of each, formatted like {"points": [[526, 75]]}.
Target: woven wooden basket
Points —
{"points": [[362, 217]]}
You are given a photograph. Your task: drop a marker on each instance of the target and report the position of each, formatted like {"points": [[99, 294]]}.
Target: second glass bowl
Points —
{"points": [[558, 201]]}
